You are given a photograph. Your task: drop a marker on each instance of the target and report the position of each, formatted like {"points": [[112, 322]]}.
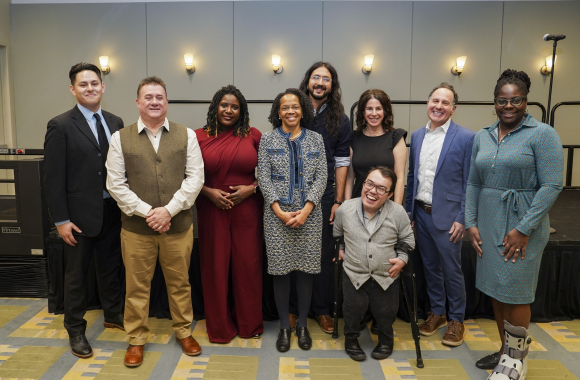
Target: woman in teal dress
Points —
{"points": [[515, 178]]}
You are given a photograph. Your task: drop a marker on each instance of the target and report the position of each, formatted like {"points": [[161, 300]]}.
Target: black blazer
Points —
{"points": [[74, 169]]}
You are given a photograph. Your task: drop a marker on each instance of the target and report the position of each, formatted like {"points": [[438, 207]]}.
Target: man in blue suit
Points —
{"points": [[438, 169]]}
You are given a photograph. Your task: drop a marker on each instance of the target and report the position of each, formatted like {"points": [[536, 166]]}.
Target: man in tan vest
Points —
{"points": [[155, 172]]}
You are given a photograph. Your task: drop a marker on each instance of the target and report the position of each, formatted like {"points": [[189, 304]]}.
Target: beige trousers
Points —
{"points": [[140, 253]]}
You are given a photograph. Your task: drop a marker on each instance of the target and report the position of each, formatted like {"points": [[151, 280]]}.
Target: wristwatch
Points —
{"points": [[255, 188], [337, 202]]}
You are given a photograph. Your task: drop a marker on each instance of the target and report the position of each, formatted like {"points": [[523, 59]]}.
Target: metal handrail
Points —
{"points": [[468, 103], [569, 166], [556, 106]]}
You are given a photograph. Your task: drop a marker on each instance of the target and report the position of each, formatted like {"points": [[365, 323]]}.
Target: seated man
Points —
{"points": [[377, 239]]}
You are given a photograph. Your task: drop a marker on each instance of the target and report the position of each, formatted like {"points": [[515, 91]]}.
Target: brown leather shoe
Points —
{"points": [[326, 323], [293, 318], [433, 323], [189, 345], [134, 356], [454, 334]]}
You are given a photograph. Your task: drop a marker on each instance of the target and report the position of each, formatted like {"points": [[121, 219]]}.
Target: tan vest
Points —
{"points": [[155, 177]]}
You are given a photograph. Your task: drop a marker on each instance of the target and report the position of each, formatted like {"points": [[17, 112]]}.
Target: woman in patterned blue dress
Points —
{"points": [[292, 175], [515, 178]]}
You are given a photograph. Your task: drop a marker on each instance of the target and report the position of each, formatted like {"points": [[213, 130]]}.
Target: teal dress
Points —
{"points": [[513, 184]]}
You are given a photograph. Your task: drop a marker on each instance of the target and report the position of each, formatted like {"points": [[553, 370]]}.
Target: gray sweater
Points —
{"points": [[367, 254]]}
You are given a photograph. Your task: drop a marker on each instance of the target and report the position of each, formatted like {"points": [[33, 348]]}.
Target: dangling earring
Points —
{"points": [[493, 112]]}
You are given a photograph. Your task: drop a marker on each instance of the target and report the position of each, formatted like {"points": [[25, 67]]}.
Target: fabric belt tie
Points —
{"points": [[513, 197]]}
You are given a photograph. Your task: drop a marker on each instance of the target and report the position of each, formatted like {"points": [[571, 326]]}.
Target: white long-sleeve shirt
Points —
{"points": [[128, 201], [428, 159]]}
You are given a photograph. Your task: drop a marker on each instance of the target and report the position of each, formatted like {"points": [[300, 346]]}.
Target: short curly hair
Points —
{"points": [[242, 127], [305, 104], [517, 78], [385, 101]]}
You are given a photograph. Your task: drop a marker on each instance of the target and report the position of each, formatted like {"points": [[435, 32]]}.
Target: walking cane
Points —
{"points": [[412, 312], [337, 288]]}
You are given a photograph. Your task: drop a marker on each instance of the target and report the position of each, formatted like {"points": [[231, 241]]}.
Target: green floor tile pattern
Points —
{"points": [[8, 313], [27, 362]]}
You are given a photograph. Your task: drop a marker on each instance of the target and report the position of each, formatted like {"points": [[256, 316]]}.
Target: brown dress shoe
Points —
{"points": [[326, 323], [293, 319], [189, 345], [454, 334], [134, 356], [433, 323]]}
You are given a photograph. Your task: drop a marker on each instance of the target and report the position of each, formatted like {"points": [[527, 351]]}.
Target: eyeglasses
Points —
{"points": [[316, 78], [294, 107], [369, 185], [515, 101]]}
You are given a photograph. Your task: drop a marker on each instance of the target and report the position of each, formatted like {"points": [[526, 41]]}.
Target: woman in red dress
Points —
{"points": [[229, 219]]}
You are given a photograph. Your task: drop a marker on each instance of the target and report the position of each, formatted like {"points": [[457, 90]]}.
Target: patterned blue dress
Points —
{"points": [[289, 249], [513, 184]]}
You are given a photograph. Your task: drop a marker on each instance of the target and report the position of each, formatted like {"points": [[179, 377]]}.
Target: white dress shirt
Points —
{"points": [[128, 201], [428, 159]]}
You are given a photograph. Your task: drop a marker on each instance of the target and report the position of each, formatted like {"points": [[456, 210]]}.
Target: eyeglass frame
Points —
{"points": [[523, 98], [326, 80], [375, 186], [294, 107]]}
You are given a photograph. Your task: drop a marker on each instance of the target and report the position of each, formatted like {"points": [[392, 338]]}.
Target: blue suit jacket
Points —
{"points": [[451, 175]]}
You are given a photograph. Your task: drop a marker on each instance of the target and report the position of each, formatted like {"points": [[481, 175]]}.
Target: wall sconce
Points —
{"points": [[189, 63], [276, 66], [457, 70], [547, 70], [368, 66], [104, 60]]}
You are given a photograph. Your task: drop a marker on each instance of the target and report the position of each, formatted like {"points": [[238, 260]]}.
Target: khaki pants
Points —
{"points": [[140, 253]]}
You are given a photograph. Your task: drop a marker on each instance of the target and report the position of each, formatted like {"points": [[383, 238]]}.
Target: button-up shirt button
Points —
{"points": [[160, 177], [300, 157], [98, 155], [276, 177], [300, 174], [357, 284], [100, 173], [302, 190], [161, 193], [370, 256], [372, 272], [492, 166], [157, 163], [369, 239], [275, 151]]}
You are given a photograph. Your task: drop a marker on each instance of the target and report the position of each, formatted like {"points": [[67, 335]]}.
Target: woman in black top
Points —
{"points": [[376, 142]]}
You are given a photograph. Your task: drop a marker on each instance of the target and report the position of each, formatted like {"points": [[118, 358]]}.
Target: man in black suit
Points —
{"points": [[85, 215]]}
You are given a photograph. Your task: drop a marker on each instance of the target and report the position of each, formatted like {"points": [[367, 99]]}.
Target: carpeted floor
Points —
{"points": [[34, 345]]}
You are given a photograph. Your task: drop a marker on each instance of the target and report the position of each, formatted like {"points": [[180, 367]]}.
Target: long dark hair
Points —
{"points": [[305, 104], [385, 101], [242, 127], [334, 108]]}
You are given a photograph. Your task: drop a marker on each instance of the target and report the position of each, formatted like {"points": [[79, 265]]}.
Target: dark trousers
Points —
{"points": [[384, 305], [322, 302], [442, 264], [106, 250]]}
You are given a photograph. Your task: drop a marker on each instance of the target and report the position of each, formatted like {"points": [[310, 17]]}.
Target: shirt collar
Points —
{"points": [[141, 125], [88, 114], [445, 127], [365, 215], [322, 108]]}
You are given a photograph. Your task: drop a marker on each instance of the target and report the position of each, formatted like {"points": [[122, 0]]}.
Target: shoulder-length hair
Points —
{"points": [[305, 104], [385, 101], [242, 127]]}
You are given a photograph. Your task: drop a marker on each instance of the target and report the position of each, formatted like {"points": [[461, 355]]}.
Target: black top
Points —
{"points": [[335, 146], [372, 151]]}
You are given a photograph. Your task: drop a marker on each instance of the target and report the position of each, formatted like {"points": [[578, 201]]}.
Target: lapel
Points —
{"points": [[359, 212], [382, 217], [81, 123], [417, 153], [113, 127], [446, 144]]}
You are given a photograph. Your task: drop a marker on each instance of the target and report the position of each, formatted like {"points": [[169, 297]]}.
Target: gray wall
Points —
{"points": [[415, 45]]}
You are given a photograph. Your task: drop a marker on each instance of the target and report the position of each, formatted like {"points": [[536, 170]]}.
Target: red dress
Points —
{"points": [[230, 238]]}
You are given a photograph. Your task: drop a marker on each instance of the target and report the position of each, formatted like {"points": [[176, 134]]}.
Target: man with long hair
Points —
{"points": [[321, 85]]}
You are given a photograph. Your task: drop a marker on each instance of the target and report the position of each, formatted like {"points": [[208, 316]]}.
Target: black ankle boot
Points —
{"points": [[353, 349], [304, 339], [382, 351], [283, 342], [79, 346]]}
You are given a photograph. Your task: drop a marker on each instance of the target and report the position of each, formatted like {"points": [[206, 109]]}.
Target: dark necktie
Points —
{"points": [[104, 144]]}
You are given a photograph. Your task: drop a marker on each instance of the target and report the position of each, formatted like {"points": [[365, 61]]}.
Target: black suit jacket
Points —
{"points": [[74, 169]]}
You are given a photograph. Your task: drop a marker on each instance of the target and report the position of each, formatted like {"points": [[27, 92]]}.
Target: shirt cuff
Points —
{"points": [[142, 209], [61, 223], [173, 208], [339, 162]]}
